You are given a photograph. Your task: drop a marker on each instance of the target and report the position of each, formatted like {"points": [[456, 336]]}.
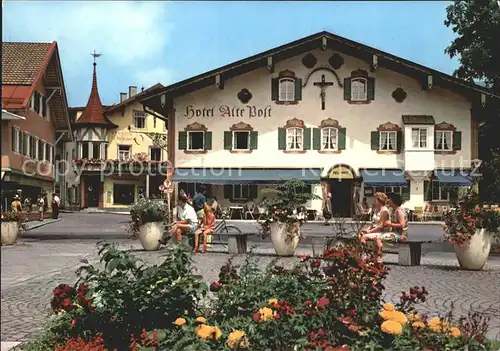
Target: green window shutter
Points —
{"points": [[307, 138], [405, 194], [228, 191], [274, 89], [375, 140], [228, 140], [254, 140], [427, 190], [252, 191], [208, 140], [399, 140], [298, 89], [281, 139], [347, 89], [370, 91], [316, 139], [342, 138], [182, 142], [457, 140]]}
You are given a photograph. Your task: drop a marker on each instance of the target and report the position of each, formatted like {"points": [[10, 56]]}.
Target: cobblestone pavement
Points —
{"points": [[31, 269]]}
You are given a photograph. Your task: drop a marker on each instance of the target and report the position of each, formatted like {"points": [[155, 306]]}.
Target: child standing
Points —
{"points": [[207, 228]]}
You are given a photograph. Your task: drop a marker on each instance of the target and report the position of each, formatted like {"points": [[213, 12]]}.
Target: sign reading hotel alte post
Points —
{"points": [[248, 111]]}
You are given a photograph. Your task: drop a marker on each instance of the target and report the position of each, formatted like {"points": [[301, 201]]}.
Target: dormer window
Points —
{"points": [[286, 89], [359, 88]]}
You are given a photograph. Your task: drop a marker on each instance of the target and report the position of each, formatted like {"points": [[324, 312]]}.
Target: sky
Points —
{"points": [[143, 43]]}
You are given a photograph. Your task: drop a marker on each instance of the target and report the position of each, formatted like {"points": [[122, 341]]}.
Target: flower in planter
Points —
{"points": [[272, 302], [418, 325], [201, 320], [455, 332], [322, 302], [237, 340], [388, 307], [265, 314], [180, 322], [392, 327], [207, 332]]}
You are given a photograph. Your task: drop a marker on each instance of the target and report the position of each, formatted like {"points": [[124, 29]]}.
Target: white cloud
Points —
{"points": [[130, 35]]}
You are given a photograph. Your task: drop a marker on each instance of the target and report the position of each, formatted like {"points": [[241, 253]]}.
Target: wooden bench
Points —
{"points": [[409, 251]]}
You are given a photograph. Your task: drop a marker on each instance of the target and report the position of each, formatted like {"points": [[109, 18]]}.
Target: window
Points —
{"points": [[358, 89], [241, 140], [105, 151], [155, 154], [196, 140], [85, 150], [15, 139], [44, 106], [286, 89], [123, 194], [124, 152], [294, 137], [419, 137], [440, 192], [444, 140], [329, 138], [139, 119], [47, 153], [21, 142], [41, 150], [388, 141], [154, 122], [389, 189], [241, 192], [26, 150], [36, 103], [96, 150], [33, 147]]}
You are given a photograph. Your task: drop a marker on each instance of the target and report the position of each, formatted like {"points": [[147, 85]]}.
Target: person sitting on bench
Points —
{"points": [[380, 225], [398, 220], [188, 220], [207, 228]]}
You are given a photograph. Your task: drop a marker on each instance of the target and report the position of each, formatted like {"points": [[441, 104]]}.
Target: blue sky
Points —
{"points": [[148, 42]]}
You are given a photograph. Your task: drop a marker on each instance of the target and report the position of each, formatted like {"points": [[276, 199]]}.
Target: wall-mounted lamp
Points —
{"points": [[163, 100]]}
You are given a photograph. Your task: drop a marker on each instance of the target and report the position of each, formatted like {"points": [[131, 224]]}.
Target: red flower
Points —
{"points": [[73, 323], [322, 302], [215, 286], [67, 303], [256, 316], [316, 263]]}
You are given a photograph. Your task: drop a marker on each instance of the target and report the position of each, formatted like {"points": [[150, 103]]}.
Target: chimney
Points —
{"points": [[132, 91], [123, 97]]}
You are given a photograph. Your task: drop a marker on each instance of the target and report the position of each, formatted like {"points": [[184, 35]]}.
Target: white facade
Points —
{"points": [[218, 110]]}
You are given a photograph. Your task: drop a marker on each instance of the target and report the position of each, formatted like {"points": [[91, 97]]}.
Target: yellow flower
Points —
{"points": [[244, 344], [201, 320], [235, 339], [455, 332], [386, 315], [418, 324], [217, 333], [204, 332], [391, 327], [435, 324], [180, 321], [266, 314], [414, 317], [388, 307], [272, 302], [399, 317]]}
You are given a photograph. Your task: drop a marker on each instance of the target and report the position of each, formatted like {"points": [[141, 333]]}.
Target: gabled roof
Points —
{"points": [[315, 41], [93, 113], [21, 62], [136, 97]]}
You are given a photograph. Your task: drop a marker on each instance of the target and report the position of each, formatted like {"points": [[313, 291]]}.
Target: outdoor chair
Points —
{"points": [[262, 212], [250, 208], [418, 213]]}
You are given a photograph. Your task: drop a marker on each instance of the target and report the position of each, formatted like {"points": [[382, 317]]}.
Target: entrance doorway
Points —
{"points": [[341, 179], [341, 190], [92, 185]]}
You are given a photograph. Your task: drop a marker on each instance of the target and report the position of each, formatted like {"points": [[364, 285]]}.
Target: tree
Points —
{"points": [[477, 25]]}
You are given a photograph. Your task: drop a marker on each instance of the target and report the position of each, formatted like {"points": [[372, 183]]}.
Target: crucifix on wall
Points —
{"points": [[323, 85]]}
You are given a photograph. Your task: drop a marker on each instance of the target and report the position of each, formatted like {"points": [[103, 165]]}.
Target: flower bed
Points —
{"points": [[332, 302]]}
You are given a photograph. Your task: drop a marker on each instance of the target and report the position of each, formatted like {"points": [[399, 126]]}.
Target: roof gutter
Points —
{"points": [[9, 116]]}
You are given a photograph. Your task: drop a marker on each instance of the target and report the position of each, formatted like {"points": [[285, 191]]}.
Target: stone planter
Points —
{"points": [[284, 244], [10, 232], [149, 234], [473, 256]]}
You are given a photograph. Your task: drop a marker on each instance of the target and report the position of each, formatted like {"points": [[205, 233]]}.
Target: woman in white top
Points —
{"points": [[380, 225]]}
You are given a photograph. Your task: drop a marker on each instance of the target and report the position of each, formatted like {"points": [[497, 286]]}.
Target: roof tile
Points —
{"points": [[22, 61]]}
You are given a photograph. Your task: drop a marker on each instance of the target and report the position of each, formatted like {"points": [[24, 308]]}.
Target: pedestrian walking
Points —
{"points": [[40, 203], [56, 202], [27, 204], [16, 206]]}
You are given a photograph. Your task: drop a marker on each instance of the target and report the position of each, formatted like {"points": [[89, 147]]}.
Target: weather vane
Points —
{"points": [[95, 55]]}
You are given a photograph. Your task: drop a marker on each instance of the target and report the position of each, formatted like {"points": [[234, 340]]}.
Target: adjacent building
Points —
{"points": [[35, 121], [342, 116], [114, 157]]}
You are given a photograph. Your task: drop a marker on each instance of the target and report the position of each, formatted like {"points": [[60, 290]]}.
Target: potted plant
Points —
{"points": [[12, 223], [284, 215], [147, 220], [471, 227]]}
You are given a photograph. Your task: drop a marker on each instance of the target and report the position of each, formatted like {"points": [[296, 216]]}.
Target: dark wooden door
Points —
{"points": [[93, 189], [341, 197]]}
